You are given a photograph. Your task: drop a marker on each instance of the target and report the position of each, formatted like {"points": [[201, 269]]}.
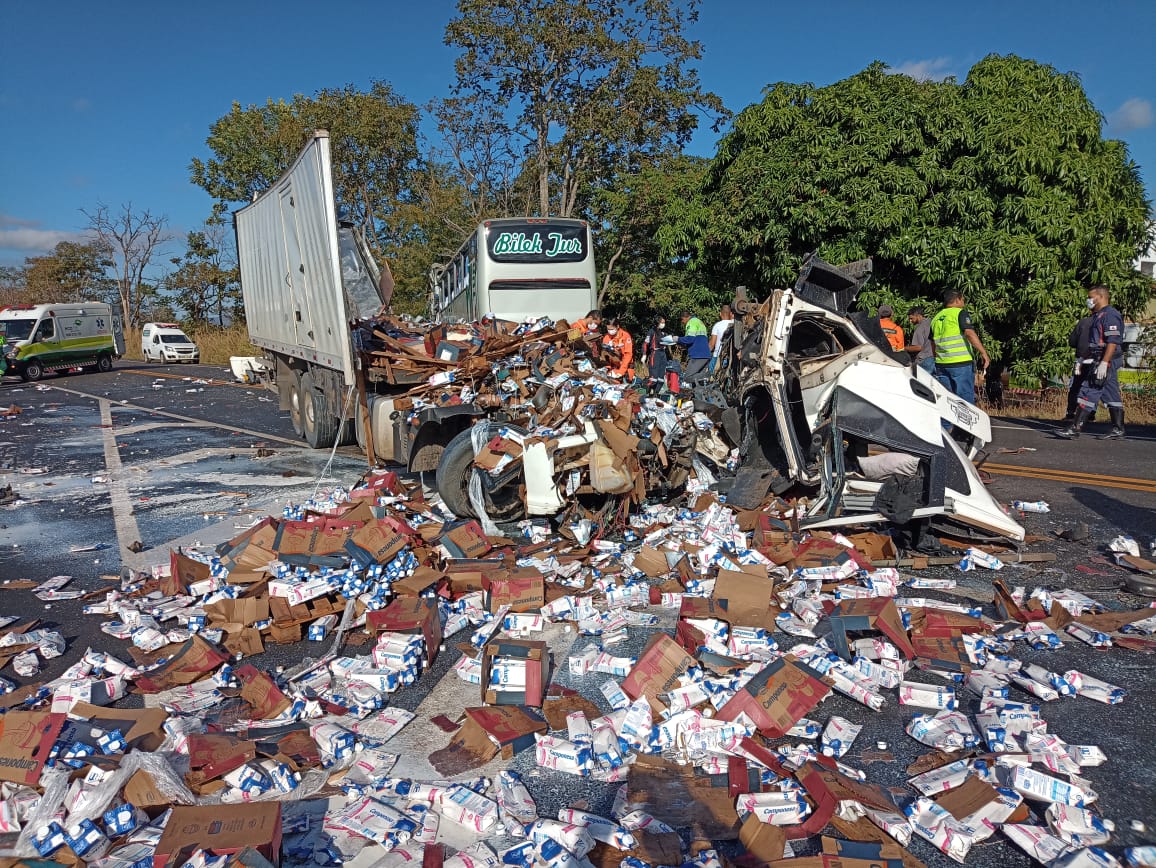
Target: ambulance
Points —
{"points": [[60, 337]]}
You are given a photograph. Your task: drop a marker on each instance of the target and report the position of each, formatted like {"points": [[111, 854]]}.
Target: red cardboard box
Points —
{"points": [[520, 593], [410, 615], [778, 697]]}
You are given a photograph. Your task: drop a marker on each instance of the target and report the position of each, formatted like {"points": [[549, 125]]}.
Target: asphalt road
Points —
{"points": [[121, 462]]}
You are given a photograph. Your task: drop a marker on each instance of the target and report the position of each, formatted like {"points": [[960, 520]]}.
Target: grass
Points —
{"points": [[216, 344], [1139, 406]]}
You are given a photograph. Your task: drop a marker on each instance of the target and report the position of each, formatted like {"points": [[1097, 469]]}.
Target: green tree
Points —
{"points": [[206, 282], [638, 276], [591, 89], [1001, 186], [71, 272], [373, 135]]}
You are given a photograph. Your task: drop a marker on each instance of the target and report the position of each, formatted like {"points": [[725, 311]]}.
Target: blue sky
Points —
{"points": [[109, 102]]}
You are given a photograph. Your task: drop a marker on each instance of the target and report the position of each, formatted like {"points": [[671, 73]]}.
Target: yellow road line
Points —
{"points": [[1073, 473], [1148, 486]]}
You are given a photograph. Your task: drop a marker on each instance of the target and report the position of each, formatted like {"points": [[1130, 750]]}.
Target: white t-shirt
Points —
{"points": [[717, 331]]}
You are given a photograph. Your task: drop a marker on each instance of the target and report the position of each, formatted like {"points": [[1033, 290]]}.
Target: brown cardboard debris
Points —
{"points": [[522, 593], [657, 671], [26, 737], [765, 842], [869, 614], [963, 801], [141, 727], [682, 799], [261, 692], [213, 755], [196, 659], [748, 596], [864, 830], [220, 832], [555, 710]]}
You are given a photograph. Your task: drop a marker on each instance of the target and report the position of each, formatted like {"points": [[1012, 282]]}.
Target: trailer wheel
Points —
{"points": [[32, 372], [104, 363], [316, 417], [295, 403], [453, 483]]}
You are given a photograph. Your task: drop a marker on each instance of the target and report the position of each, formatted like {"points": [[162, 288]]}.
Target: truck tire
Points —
{"points": [[453, 475], [104, 363], [32, 372], [317, 419], [453, 483], [295, 403]]}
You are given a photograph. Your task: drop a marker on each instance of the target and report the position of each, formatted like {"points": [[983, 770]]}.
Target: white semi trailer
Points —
{"points": [[305, 278]]}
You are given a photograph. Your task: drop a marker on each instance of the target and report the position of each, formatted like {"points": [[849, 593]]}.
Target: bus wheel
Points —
{"points": [[32, 372], [453, 483], [104, 363], [316, 417]]}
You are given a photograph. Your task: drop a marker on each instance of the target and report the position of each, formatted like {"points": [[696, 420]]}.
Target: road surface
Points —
{"points": [[151, 455]]}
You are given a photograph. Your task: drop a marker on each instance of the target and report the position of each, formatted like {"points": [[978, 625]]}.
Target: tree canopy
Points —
{"points": [[1001, 186], [71, 272], [589, 90], [373, 135]]}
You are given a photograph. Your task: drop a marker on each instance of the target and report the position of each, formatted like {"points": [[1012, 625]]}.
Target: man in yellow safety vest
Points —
{"points": [[952, 331]]}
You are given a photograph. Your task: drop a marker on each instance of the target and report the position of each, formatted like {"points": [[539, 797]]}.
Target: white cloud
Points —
{"points": [[930, 69], [1133, 114], [27, 237]]}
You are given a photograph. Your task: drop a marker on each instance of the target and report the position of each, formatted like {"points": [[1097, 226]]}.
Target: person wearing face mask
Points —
{"points": [[654, 351], [620, 345], [1101, 368]]}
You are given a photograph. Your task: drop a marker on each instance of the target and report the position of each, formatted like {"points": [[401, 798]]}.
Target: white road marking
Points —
{"points": [[127, 531], [203, 422]]}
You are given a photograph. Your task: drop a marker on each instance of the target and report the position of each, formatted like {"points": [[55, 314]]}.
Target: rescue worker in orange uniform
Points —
{"points": [[891, 329], [589, 323], [618, 341]]}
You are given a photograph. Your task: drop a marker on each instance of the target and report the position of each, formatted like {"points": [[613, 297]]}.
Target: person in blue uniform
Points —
{"points": [[1101, 367]]}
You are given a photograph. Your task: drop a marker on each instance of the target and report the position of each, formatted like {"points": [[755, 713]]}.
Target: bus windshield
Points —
{"points": [[16, 329]]}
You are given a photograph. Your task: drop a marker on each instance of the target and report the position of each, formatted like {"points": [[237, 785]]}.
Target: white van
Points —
{"points": [[164, 342]]}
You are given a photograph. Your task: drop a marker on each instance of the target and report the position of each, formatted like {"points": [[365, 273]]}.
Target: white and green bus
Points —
{"points": [[60, 337], [518, 268]]}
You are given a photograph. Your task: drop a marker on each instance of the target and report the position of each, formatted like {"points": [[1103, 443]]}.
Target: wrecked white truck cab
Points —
{"points": [[825, 406]]}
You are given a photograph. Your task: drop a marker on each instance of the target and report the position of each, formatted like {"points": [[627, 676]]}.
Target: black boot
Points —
{"points": [[1074, 428], [1116, 432]]}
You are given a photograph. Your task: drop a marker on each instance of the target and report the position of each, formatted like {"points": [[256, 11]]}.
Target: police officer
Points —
{"points": [[1101, 368], [952, 330]]}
